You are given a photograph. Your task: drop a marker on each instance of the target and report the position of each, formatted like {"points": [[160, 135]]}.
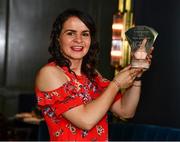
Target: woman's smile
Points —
{"points": [[74, 39], [77, 48]]}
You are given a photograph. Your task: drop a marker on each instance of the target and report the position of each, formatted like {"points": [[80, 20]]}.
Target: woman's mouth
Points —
{"points": [[77, 48]]}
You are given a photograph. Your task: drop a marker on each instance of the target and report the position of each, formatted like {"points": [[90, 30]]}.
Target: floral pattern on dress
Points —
{"points": [[71, 128], [84, 133], [99, 129], [79, 90], [58, 132]]}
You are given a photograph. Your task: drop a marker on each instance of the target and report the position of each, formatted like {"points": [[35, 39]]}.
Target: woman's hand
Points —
{"points": [[126, 76]]}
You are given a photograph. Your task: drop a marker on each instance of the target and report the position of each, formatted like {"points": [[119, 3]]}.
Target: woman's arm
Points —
{"points": [[87, 115], [126, 106]]}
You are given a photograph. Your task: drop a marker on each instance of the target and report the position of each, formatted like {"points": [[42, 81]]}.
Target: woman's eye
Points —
{"points": [[70, 33], [85, 34]]}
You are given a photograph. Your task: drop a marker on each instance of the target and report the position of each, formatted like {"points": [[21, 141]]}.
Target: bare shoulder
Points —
{"points": [[50, 78]]}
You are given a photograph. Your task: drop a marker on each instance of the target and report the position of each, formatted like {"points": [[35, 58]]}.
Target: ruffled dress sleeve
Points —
{"points": [[61, 99]]}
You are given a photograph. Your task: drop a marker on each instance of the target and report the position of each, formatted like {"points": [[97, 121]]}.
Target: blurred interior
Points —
{"points": [[25, 27]]}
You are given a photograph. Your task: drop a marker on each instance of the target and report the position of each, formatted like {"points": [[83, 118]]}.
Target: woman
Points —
{"points": [[72, 95]]}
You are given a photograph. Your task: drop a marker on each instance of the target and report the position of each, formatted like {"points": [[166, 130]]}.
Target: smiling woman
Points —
{"points": [[73, 96], [75, 39]]}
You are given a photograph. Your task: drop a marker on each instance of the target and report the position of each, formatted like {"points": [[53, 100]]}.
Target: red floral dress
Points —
{"points": [[79, 90]]}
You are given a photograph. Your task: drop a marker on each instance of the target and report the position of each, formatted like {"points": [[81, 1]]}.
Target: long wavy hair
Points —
{"points": [[90, 59]]}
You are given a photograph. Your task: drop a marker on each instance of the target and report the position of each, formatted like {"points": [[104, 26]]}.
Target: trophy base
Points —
{"points": [[140, 64]]}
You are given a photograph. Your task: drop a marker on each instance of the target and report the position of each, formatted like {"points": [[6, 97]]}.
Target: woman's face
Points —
{"points": [[74, 39]]}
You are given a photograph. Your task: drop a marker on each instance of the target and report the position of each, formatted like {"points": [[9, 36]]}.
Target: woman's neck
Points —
{"points": [[76, 66]]}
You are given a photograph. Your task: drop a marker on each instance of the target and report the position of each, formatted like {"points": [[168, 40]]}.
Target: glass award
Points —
{"points": [[141, 40]]}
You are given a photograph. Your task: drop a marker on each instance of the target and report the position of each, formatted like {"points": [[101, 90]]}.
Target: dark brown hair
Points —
{"points": [[90, 59]]}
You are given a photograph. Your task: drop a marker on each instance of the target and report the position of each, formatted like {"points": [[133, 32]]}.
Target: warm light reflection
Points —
{"points": [[117, 26], [122, 21], [128, 5], [117, 41], [116, 53]]}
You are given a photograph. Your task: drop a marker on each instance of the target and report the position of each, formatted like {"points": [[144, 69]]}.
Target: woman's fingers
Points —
{"points": [[134, 72], [126, 68]]}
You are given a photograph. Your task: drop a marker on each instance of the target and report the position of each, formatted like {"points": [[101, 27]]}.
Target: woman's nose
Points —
{"points": [[78, 38]]}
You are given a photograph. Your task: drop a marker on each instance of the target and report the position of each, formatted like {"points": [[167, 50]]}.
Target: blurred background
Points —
{"points": [[25, 26]]}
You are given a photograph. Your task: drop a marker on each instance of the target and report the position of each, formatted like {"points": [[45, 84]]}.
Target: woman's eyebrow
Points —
{"points": [[71, 30]]}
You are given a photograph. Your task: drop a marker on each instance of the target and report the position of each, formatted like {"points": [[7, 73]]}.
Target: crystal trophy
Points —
{"points": [[141, 40]]}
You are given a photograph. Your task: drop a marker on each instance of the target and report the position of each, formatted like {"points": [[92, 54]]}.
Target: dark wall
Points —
{"points": [[161, 84], [3, 15]]}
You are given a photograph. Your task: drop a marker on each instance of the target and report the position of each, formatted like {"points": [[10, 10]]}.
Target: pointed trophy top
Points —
{"points": [[135, 36]]}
